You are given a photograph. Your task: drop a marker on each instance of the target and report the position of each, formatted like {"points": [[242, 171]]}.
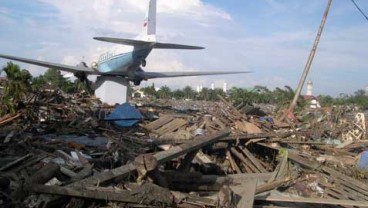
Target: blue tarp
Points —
{"points": [[124, 115], [363, 161]]}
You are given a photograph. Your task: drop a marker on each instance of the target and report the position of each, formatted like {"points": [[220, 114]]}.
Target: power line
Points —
{"points": [[361, 11]]}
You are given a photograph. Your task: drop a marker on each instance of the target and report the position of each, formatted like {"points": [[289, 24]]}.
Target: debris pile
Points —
{"points": [[59, 151]]}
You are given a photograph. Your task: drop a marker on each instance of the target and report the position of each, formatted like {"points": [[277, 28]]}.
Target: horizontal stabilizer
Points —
{"points": [[152, 75], [175, 46], [157, 45], [130, 42]]}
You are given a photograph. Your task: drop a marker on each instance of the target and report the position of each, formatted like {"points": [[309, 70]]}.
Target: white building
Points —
{"points": [[225, 87], [309, 88]]}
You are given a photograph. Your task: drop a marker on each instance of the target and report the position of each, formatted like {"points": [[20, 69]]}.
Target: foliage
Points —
{"points": [[150, 90], [15, 89], [189, 93], [164, 92], [53, 79]]}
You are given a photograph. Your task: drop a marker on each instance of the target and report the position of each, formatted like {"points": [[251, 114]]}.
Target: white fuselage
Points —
{"points": [[122, 59]]}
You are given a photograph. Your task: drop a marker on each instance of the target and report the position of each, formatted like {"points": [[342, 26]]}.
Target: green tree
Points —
{"points": [[16, 87], [189, 93], [164, 92], [204, 94], [150, 90], [325, 100], [38, 83], [178, 94]]}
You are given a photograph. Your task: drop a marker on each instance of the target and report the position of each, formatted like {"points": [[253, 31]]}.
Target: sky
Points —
{"points": [[271, 38]]}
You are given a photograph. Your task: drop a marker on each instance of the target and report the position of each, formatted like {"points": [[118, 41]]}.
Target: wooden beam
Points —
{"points": [[253, 159], [161, 157], [187, 160], [313, 201], [233, 164], [19, 160], [249, 167], [97, 193]]}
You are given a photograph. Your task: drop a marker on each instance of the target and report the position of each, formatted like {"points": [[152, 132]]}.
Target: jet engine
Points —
{"points": [[94, 65]]}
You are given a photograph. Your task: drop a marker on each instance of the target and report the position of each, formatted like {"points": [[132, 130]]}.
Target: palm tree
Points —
{"points": [[178, 94], [164, 92], [204, 94], [15, 88], [188, 92], [18, 82]]}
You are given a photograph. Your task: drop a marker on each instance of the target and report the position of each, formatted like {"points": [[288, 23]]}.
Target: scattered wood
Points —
{"points": [[335, 202], [145, 166]]}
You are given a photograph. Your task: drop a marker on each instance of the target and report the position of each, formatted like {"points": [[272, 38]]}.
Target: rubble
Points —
{"points": [[58, 151]]}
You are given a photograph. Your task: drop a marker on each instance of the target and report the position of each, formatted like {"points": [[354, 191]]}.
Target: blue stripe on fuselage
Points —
{"points": [[122, 62]]}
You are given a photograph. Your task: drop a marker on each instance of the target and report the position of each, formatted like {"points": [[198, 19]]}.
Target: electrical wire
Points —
{"points": [[361, 11]]}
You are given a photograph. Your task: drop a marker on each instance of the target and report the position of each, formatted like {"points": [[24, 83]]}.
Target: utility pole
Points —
{"points": [[309, 63]]}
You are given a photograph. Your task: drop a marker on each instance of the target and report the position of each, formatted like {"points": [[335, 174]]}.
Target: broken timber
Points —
{"points": [[313, 201], [161, 157]]}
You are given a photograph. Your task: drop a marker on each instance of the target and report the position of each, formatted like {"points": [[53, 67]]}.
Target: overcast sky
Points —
{"points": [[272, 38]]}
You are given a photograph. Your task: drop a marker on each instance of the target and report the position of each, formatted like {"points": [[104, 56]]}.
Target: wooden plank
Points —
{"points": [[351, 188], [44, 174], [246, 192], [333, 194], [161, 157], [247, 164], [108, 195], [348, 194], [236, 112], [296, 158], [271, 185], [233, 164], [359, 186], [253, 159], [159, 122], [313, 201], [187, 160], [19, 160], [172, 126]]}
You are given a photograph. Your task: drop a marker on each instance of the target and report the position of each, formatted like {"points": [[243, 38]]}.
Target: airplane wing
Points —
{"points": [[71, 69], [141, 43], [153, 75]]}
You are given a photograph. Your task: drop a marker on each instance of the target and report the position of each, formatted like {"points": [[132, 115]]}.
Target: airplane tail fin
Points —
{"points": [[148, 34], [149, 26]]}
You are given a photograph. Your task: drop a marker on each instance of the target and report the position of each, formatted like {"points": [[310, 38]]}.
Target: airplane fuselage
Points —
{"points": [[122, 59]]}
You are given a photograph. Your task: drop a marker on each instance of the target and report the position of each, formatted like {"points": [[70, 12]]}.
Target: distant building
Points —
{"points": [[313, 101], [225, 87], [309, 88], [213, 86], [139, 94]]}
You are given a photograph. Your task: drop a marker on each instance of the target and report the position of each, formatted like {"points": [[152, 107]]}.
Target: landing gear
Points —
{"points": [[137, 82], [82, 77], [144, 62]]}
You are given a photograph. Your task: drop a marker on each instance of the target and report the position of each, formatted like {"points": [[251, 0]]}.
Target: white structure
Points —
{"points": [[198, 89], [213, 86], [225, 87], [314, 104], [112, 90], [309, 88]]}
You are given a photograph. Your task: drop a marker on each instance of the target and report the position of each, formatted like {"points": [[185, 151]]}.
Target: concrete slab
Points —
{"points": [[112, 90]]}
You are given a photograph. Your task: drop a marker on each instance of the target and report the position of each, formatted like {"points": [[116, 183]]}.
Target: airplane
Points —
{"points": [[127, 58]]}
